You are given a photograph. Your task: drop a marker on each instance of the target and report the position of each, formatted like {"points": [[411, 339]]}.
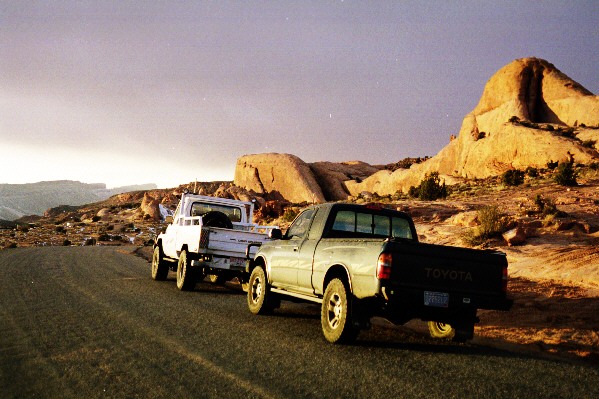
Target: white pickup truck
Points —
{"points": [[207, 236]]}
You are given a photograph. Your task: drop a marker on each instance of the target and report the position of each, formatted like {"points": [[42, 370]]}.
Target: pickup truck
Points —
{"points": [[206, 236], [363, 261]]}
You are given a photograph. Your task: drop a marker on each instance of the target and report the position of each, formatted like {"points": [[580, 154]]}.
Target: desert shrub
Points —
{"points": [[549, 128], [289, 214], [552, 165], [589, 143], [594, 165], [96, 218], [430, 188], [532, 172], [513, 177], [546, 206], [60, 229], [514, 119], [90, 241], [66, 243], [565, 175], [492, 224]]}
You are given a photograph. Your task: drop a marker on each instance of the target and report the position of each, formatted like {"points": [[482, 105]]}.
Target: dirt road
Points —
{"points": [[89, 322]]}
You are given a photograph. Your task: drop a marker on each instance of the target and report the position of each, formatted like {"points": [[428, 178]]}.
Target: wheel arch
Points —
{"points": [[258, 261], [337, 271]]}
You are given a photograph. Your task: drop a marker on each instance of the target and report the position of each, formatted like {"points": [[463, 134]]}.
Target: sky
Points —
{"points": [[168, 92]]}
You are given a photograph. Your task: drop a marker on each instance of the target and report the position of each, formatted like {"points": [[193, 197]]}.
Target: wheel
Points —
{"points": [[216, 219], [440, 330], [335, 315], [185, 274], [159, 266], [258, 292], [217, 279]]}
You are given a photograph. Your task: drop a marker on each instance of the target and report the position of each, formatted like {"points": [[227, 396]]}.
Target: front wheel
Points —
{"points": [[335, 316], [440, 330], [159, 266], [185, 277], [258, 292]]}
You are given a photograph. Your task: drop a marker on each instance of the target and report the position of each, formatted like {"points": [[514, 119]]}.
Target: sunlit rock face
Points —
{"points": [[529, 114], [281, 175]]}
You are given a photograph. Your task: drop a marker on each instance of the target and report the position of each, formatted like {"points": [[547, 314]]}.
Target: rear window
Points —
{"points": [[200, 209], [364, 224]]}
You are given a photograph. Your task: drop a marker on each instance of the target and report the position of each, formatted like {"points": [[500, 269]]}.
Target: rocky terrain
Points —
{"points": [[533, 126]]}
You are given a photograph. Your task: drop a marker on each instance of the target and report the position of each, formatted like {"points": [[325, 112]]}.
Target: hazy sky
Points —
{"points": [[126, 92]]}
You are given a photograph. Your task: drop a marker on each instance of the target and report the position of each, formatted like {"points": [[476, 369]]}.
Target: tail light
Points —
{"points": [[504, 279], [383, 267]]}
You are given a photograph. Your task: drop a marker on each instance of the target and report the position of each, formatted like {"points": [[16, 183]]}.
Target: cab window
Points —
{"points": [[301, 224]]}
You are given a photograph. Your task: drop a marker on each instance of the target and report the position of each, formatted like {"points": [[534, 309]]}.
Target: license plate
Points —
{"points": [[237, 262], [436, 299]]}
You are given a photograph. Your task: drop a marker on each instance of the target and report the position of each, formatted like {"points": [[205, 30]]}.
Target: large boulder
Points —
{"points": [[544, 103], [278, 175], [150, 208], [331, 177]]}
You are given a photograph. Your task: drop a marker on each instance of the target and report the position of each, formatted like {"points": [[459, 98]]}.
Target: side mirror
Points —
{"points": [[168, 219], [275, 234]]}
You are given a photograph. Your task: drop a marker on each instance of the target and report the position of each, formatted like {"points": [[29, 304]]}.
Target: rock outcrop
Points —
{"points": [[331, 177], [280, 176], [551, 114], [149, 208], [284, 176]]}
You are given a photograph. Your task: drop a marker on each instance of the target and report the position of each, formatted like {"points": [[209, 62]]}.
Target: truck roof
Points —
{"points": [[376, 208]]}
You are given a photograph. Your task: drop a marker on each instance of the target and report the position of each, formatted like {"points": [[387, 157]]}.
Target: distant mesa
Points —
{"points": [[529, 114], [18, 200]]}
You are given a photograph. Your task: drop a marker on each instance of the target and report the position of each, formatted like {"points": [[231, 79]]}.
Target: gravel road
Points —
{"points": [[89, 322]]}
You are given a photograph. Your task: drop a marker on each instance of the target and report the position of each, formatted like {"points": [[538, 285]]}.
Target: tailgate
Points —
{"points": [[447, 269], [229, 242]]}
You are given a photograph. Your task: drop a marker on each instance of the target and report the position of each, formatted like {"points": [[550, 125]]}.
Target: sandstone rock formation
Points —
{"points": [[149, 208], [284, 176], [544, 102], [331, 176], [279, 175]]}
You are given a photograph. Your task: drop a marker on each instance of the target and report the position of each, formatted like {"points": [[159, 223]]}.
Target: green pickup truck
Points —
{"points": [[364, 261]]}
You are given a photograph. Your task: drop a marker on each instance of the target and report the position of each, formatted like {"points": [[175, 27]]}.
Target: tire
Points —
{"points": [[186, 280], [159, 265], [258, 292], [440, 330], [216, 219], [336, 316], [217, 279]]}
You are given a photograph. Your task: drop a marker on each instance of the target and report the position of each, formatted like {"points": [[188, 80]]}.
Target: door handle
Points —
{"points": [[295, 249]]}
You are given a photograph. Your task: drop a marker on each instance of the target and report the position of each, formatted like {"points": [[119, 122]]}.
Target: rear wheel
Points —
{"points": [[185, 274], [336, 317], [159, 265], [440, 330]]}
